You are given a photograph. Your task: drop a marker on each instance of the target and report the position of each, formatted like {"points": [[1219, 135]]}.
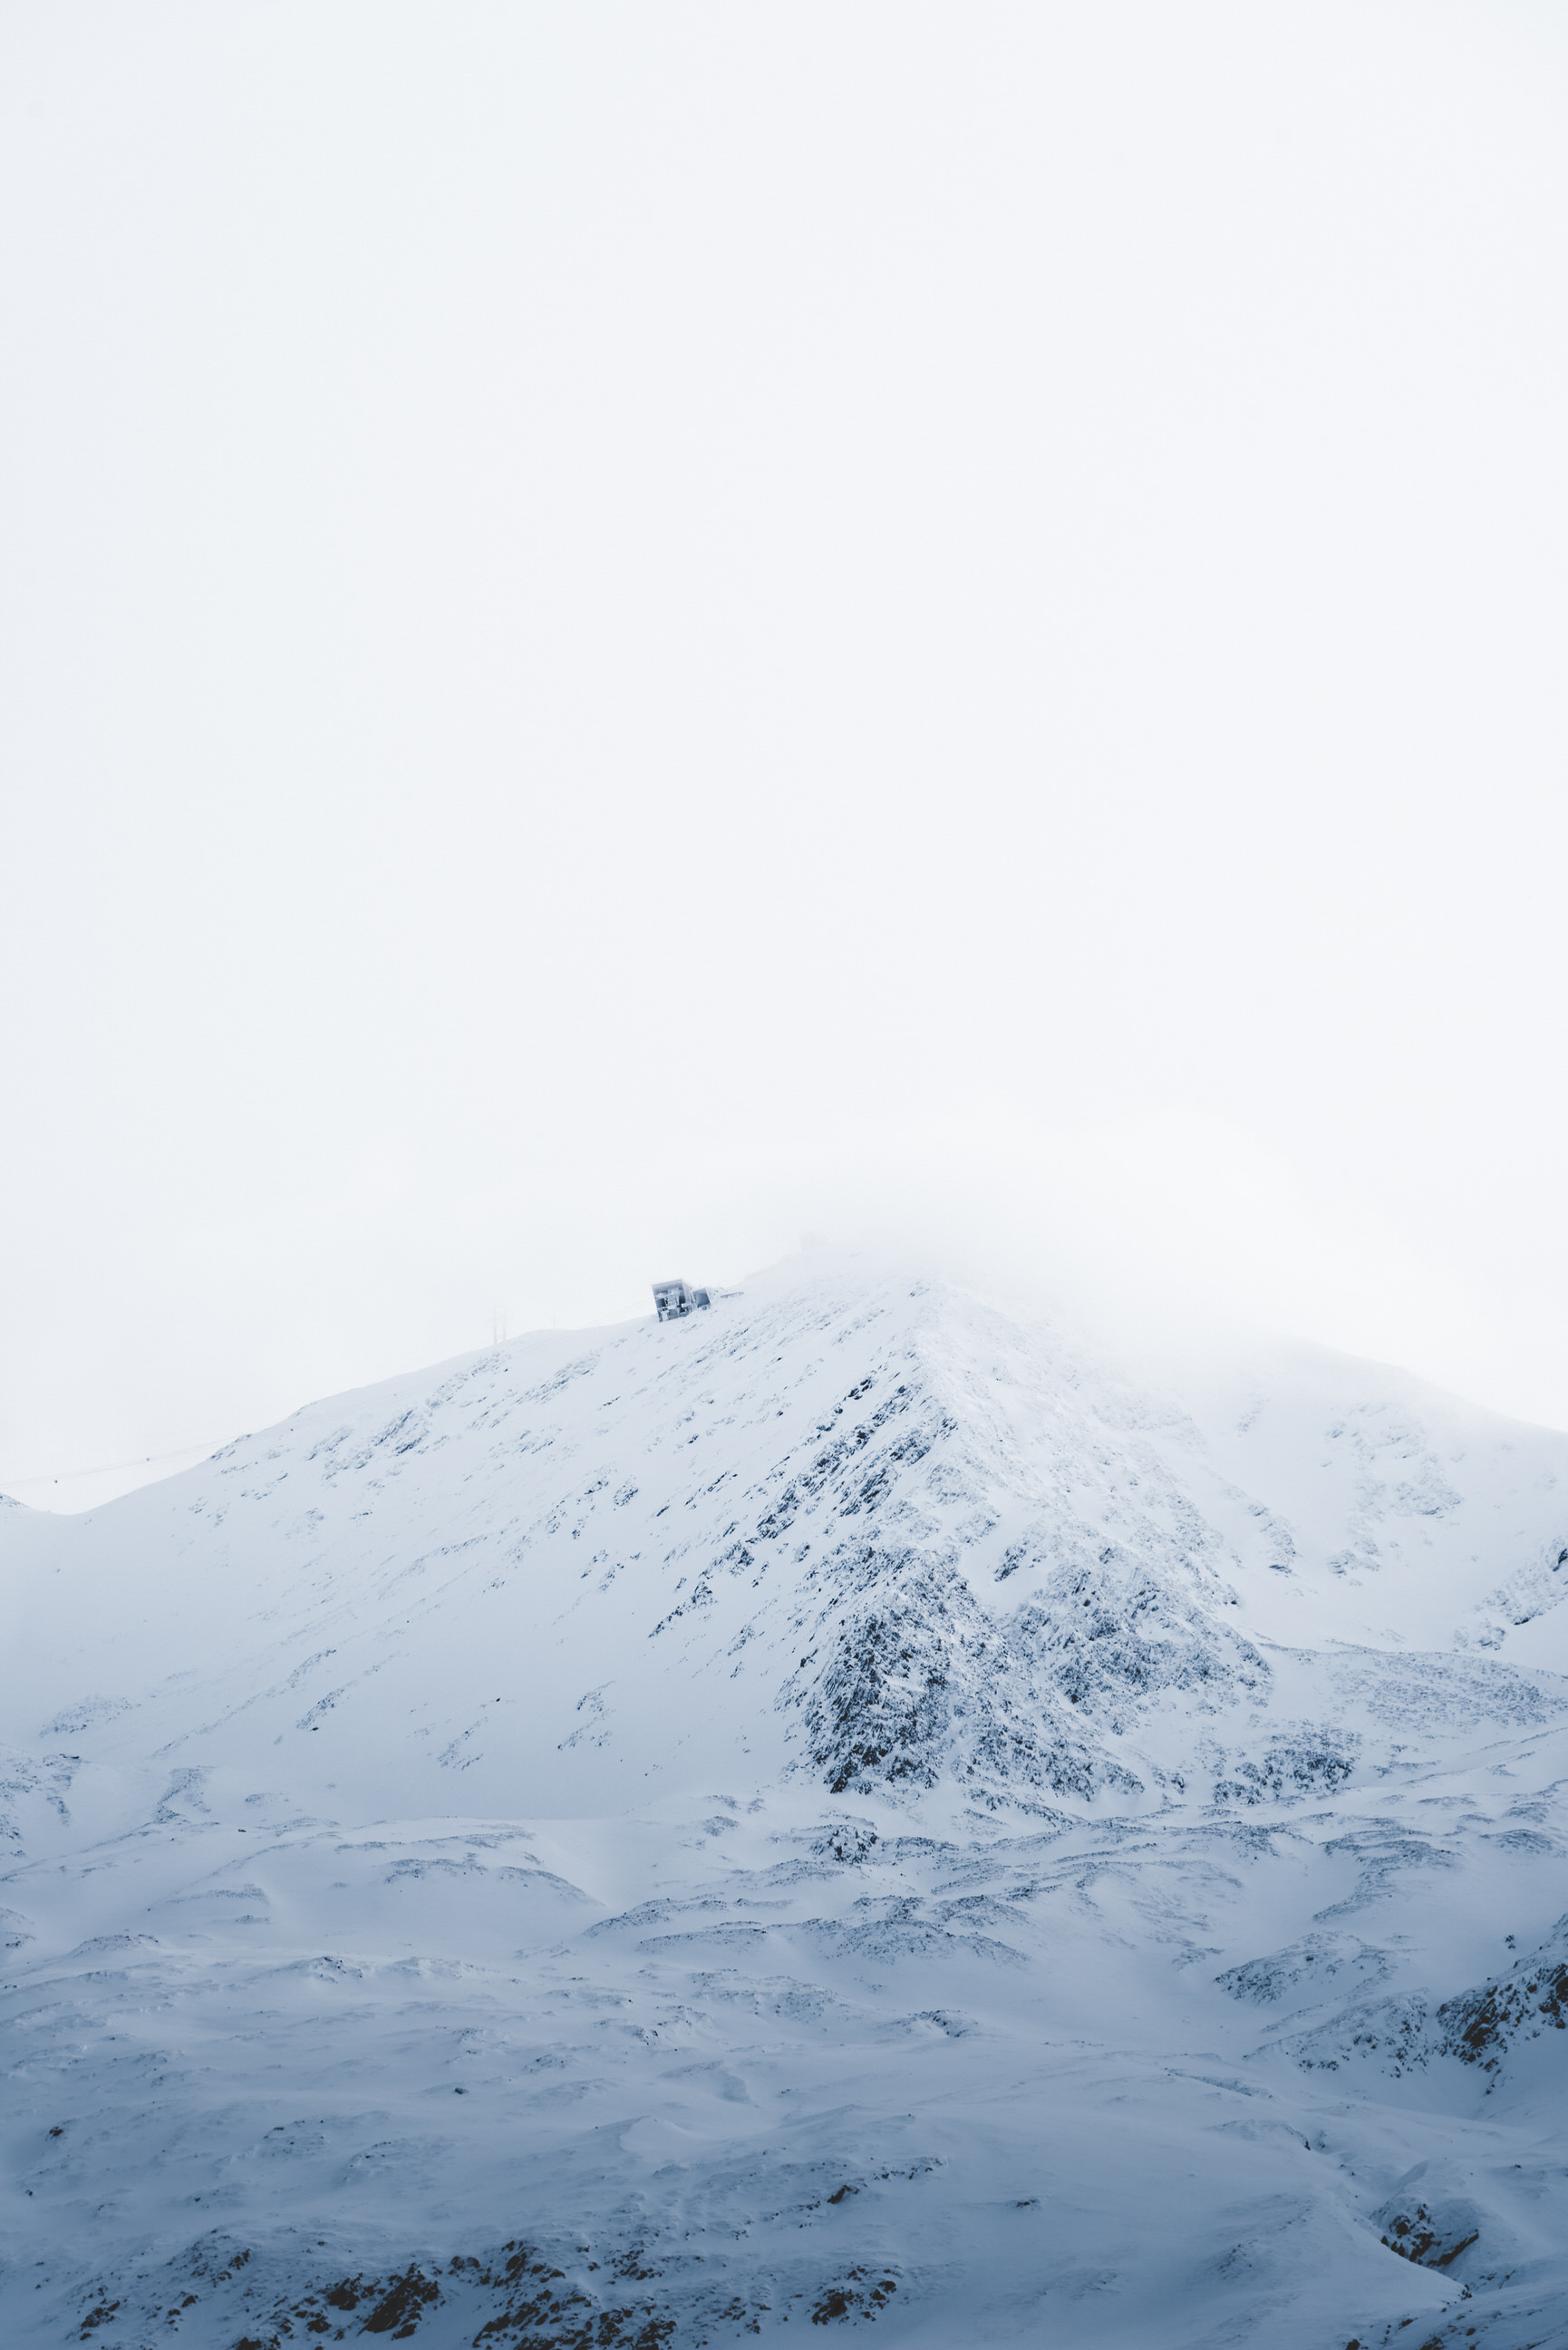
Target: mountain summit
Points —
{"points": [[879, 1817]]}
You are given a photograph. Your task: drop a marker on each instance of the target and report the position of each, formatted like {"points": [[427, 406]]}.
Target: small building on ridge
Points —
{"points": [[675, 1299]]}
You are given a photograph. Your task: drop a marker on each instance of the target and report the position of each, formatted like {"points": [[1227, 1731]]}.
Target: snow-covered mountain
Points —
{"points": [[846, 1809]]}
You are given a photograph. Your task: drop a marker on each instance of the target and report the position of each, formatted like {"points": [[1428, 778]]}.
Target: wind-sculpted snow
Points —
{"points": [[845, 1812]]}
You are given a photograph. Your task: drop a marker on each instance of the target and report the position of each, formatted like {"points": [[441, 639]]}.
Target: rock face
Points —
{"points": [[678, 1830]]}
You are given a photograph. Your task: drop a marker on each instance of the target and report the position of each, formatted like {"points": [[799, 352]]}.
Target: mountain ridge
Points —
{"points": [[687, 1829]]}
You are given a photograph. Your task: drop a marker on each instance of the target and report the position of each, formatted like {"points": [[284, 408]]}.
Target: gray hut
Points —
{"points": [[673, 1300]]}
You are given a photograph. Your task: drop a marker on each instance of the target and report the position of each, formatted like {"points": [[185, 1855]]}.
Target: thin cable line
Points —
{"points": [[102, 1469]]}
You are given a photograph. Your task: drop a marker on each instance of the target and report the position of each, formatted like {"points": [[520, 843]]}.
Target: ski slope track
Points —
{"points": [[848, 1812]]}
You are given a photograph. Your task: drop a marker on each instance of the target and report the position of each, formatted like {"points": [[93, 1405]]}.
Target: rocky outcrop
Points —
{"points": [[911, 1676]]}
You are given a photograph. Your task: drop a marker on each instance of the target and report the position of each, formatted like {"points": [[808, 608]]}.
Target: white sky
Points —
{"points": [[630, 629]]}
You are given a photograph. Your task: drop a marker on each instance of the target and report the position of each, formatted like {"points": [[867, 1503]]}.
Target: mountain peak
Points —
{"points": [[643, 1831], [852, 1524]]}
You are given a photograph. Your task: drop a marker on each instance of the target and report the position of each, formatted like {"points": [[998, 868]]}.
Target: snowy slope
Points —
{"points": [[848, 1808]]}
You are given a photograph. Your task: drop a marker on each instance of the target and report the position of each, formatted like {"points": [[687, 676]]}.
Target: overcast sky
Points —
{"points": [[632, 629]]}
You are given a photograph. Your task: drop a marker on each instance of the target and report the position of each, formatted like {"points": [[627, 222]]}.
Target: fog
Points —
{"points": [[632, 632]]}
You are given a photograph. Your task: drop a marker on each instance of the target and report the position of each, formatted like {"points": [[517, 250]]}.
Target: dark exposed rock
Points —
{"points": [[398, 2311], [918, 1678], [1433, 2236], [1313, 1764]]}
